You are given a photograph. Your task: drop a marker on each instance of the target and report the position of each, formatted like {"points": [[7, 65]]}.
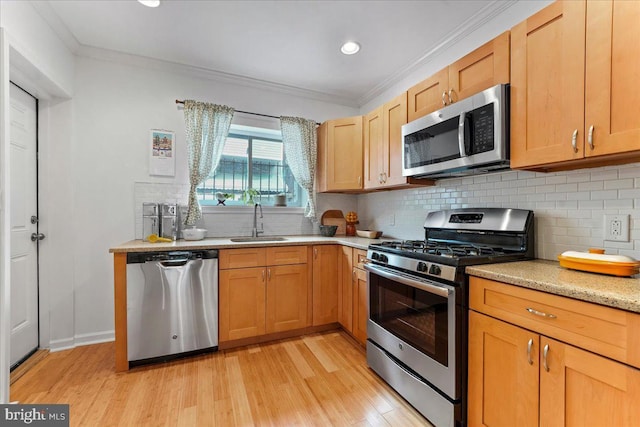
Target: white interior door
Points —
{"points": [[23, 205]]}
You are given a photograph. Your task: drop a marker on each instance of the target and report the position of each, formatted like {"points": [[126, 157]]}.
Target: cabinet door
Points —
{"points": [[286, 297], [360, 305], [483, 68], [373, 149], [583, 389], [242, 303], [394, 115], [612, 71], [547, 85], [325, 284], [428, 96], [344, 154], [345, 295], [503, 374]]}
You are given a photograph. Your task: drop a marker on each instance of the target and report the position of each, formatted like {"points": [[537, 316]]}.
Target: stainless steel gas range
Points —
{"points": [[418, 303]]}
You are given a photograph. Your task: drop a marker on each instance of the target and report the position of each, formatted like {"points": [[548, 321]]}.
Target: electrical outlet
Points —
{"points": [[616, 228]]}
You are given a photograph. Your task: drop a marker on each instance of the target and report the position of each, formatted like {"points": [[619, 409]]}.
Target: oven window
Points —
{"points": [[435, 144], [417, 317]]}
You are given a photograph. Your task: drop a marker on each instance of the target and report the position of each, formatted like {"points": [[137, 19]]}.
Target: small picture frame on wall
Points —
{"points": [[162, 158]]}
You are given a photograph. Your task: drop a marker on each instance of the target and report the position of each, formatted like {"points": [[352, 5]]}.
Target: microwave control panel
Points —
{"points": [[481, 135]]}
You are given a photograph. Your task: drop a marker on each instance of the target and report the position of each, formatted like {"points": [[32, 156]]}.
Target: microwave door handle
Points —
{"points": [[461, 126]]}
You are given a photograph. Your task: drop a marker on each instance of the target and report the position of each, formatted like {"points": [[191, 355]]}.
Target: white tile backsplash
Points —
{"points": [[568, 206]]}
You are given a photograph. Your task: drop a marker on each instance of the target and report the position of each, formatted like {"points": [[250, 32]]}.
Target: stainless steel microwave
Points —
{"points": [[470, 136]]}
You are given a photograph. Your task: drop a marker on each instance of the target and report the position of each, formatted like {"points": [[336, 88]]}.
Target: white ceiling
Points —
{"points": [[290, 43]]}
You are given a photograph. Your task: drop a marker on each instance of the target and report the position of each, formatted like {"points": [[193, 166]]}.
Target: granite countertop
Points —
{"points": [[548, 276], [226, 243]]}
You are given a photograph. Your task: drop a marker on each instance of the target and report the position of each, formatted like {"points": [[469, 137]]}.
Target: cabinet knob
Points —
{"points": [[574, 141]]}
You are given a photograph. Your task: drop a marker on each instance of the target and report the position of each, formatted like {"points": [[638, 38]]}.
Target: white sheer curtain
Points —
{"points": [[207, 127], [301, 151]]}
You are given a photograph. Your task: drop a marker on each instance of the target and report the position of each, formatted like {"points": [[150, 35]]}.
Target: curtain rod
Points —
{"points": [[248, 112]]}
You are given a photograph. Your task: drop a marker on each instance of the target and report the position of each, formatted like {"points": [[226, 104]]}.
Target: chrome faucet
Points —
{"points": [[255, 231]]}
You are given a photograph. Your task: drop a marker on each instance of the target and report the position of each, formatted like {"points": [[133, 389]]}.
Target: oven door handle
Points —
{"points": [[432, 289]]}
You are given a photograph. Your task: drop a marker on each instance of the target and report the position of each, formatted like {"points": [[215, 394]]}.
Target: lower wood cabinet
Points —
{"points": [[261, 300], [325, 284], [353, 295], [520, 377]]}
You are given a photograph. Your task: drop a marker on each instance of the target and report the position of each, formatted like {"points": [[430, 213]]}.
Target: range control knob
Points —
{"points": [[435, 270], [375, 256], [421, 267], [383, 258]]}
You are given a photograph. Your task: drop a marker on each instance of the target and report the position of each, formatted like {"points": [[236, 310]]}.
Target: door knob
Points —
{"points": [[37, 236]]}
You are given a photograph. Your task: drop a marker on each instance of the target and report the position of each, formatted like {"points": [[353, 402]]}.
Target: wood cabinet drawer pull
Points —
{"points": [[450, 98], [590, 137], [444, 98], [529, 347], [574, 141], [269, 274], [263, 275], [544, 357], [541, 314]]}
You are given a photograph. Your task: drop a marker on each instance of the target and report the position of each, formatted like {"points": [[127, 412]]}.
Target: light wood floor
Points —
{"points": [[318, 380]]}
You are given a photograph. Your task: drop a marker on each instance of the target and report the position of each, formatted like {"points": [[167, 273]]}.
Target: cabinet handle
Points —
{"points": [[444, 99], [359, 180], [544, 357], [353, 274], [450, 98], [384, 179], [574, 141], [541, 314], [380, 178], [269, 274], [590, 138], [529, 347], [315, 253], [263, 275]]}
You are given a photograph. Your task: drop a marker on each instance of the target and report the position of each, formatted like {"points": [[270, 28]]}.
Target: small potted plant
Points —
{"points": [[222, 197], [248, 195]]}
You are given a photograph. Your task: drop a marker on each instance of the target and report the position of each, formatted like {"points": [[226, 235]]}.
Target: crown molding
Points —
{"points": [[44, 9], [481, 18], [208, 74]]}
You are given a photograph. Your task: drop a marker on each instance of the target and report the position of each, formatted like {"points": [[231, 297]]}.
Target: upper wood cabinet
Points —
{"points": [[383, 147], [340, 155], [481, 69], [574, 86]]}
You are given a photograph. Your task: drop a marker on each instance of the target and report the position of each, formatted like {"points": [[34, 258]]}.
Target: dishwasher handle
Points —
{"points": [[179, 262]]}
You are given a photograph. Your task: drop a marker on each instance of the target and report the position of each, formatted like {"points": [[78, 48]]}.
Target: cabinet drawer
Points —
{"points": [[604, 330], [359, 258], [242, 258], [285, 255]]}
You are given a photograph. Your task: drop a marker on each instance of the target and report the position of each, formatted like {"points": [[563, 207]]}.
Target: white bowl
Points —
{"points": [[194, 233]]}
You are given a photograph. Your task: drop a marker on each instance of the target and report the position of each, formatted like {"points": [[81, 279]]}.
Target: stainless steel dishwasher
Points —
{"points": [[172, 304]]}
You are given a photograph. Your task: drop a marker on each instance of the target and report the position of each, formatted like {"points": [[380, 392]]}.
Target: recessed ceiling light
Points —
{"points": [[349, 48], [150, 3]]}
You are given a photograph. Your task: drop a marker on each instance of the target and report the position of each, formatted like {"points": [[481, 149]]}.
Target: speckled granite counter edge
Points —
{"points": [[226, 243], [548, 276]]}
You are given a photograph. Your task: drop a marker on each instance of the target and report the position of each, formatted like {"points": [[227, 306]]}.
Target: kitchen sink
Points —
{"points": [[258, 239]]}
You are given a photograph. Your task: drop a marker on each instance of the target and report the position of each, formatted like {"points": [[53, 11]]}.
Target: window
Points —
{"points": [[252, 158]]}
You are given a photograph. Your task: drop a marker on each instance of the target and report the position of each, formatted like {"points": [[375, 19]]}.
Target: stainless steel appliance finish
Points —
{"points": [[150, 220], [468, 137], [169, 221], [172, 303], [418, 303]]}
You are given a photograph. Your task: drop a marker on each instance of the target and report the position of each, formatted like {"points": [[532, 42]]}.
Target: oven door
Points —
{"points": [[414, 320]]}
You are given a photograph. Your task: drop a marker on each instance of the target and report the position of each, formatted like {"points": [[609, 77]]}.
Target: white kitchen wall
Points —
{"points": [[568, 206], [116, 103]]}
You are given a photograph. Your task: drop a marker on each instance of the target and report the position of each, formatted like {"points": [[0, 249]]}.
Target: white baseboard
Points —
{"points": [[80, 340]]}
